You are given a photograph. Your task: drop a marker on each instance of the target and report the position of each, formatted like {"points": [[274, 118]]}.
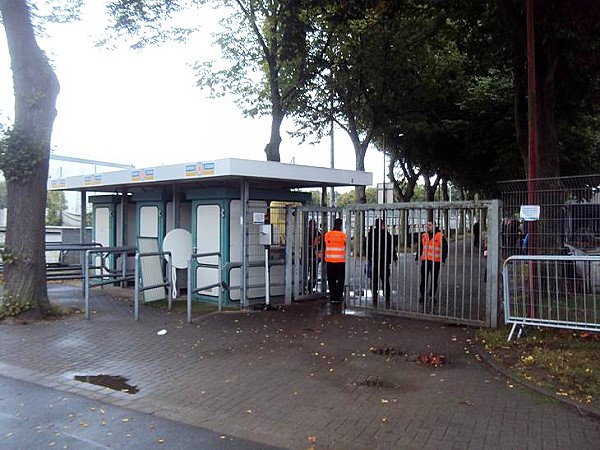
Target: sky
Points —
{"points": [[141, 107]]}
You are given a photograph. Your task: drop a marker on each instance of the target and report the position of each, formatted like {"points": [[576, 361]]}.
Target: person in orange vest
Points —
{"points": [[433, 251], [335, 257]]}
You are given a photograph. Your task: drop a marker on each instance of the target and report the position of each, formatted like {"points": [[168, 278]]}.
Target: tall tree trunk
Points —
{"points": [[409, 176], [277, 114], [360, 150], [25, 160], [272, 148], [430, 188]]}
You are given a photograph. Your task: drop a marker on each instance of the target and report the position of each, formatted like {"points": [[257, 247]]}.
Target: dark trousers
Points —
{"points": [[380, 276], [313, 267], [336, 276], [430, 271]]}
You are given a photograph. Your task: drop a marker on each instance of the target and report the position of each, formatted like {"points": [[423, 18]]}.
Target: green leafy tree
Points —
{"points": [[457, 126], [385, 67], [567, 44], [271, 49], [349, 197], [24, 157], [56, 205], [469, 136], [353, 80]]}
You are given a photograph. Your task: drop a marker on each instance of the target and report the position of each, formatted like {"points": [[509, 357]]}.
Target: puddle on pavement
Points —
{"points": [[377, 382], [114, 382], [388, 351]]}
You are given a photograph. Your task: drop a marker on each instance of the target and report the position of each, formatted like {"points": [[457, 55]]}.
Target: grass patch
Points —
{"points": [[26, 313], [562, 361]]}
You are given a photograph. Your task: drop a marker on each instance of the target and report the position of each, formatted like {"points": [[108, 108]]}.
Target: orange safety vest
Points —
{"points": [[432, 248], [335, 246]]}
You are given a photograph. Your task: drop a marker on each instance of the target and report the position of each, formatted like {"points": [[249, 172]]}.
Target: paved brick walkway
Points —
{"points": [[300, 377]]}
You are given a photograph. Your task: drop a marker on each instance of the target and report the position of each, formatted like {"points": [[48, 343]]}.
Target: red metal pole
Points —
{"points": [[532, 149], [531, 103]]}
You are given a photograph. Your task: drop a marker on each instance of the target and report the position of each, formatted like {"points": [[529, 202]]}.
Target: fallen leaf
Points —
{"points": [[312, 439]]}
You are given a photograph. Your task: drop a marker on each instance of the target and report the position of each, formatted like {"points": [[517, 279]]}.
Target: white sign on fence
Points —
{"points": [[530, 212]]}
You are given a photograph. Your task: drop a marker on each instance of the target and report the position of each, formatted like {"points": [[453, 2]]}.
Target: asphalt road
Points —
{"points": [[36, 417]]}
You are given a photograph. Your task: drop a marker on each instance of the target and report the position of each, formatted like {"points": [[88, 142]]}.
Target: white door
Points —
{"points": [[149, 217], [208, 240], [102, 234]]}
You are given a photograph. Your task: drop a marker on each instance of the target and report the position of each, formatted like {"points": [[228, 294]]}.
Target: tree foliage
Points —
{"points": [[357, 76], [56, 205], [269, 50], [273, 50], [567, 40], [470, 137], [349, 197], [439, 86]]}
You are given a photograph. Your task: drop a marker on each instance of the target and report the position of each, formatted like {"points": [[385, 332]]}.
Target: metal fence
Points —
{"points": [[463, 290], [309, 264], [570, 216], [552, 291]]}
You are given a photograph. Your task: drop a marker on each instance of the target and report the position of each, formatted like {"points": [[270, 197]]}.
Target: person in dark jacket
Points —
{"points": [[476, 235], [380, 253], [314, 253], [433, 251]]}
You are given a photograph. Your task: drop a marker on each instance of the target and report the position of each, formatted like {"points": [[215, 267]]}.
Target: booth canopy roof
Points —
{"points": [[215, 173]]}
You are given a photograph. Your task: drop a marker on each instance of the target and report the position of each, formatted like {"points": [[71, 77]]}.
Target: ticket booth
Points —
{"points": [[223, 204]]}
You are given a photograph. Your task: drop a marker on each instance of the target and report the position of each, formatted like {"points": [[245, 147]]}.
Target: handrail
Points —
{"points": [[236, 265], [192, 264], [86, 263], [62, 248]]}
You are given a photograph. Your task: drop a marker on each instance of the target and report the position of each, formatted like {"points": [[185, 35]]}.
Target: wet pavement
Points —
{"points": [[34, 416], [302, 376]]}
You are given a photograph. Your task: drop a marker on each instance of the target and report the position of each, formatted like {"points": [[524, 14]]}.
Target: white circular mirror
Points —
{"points": [[179, 243]]}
